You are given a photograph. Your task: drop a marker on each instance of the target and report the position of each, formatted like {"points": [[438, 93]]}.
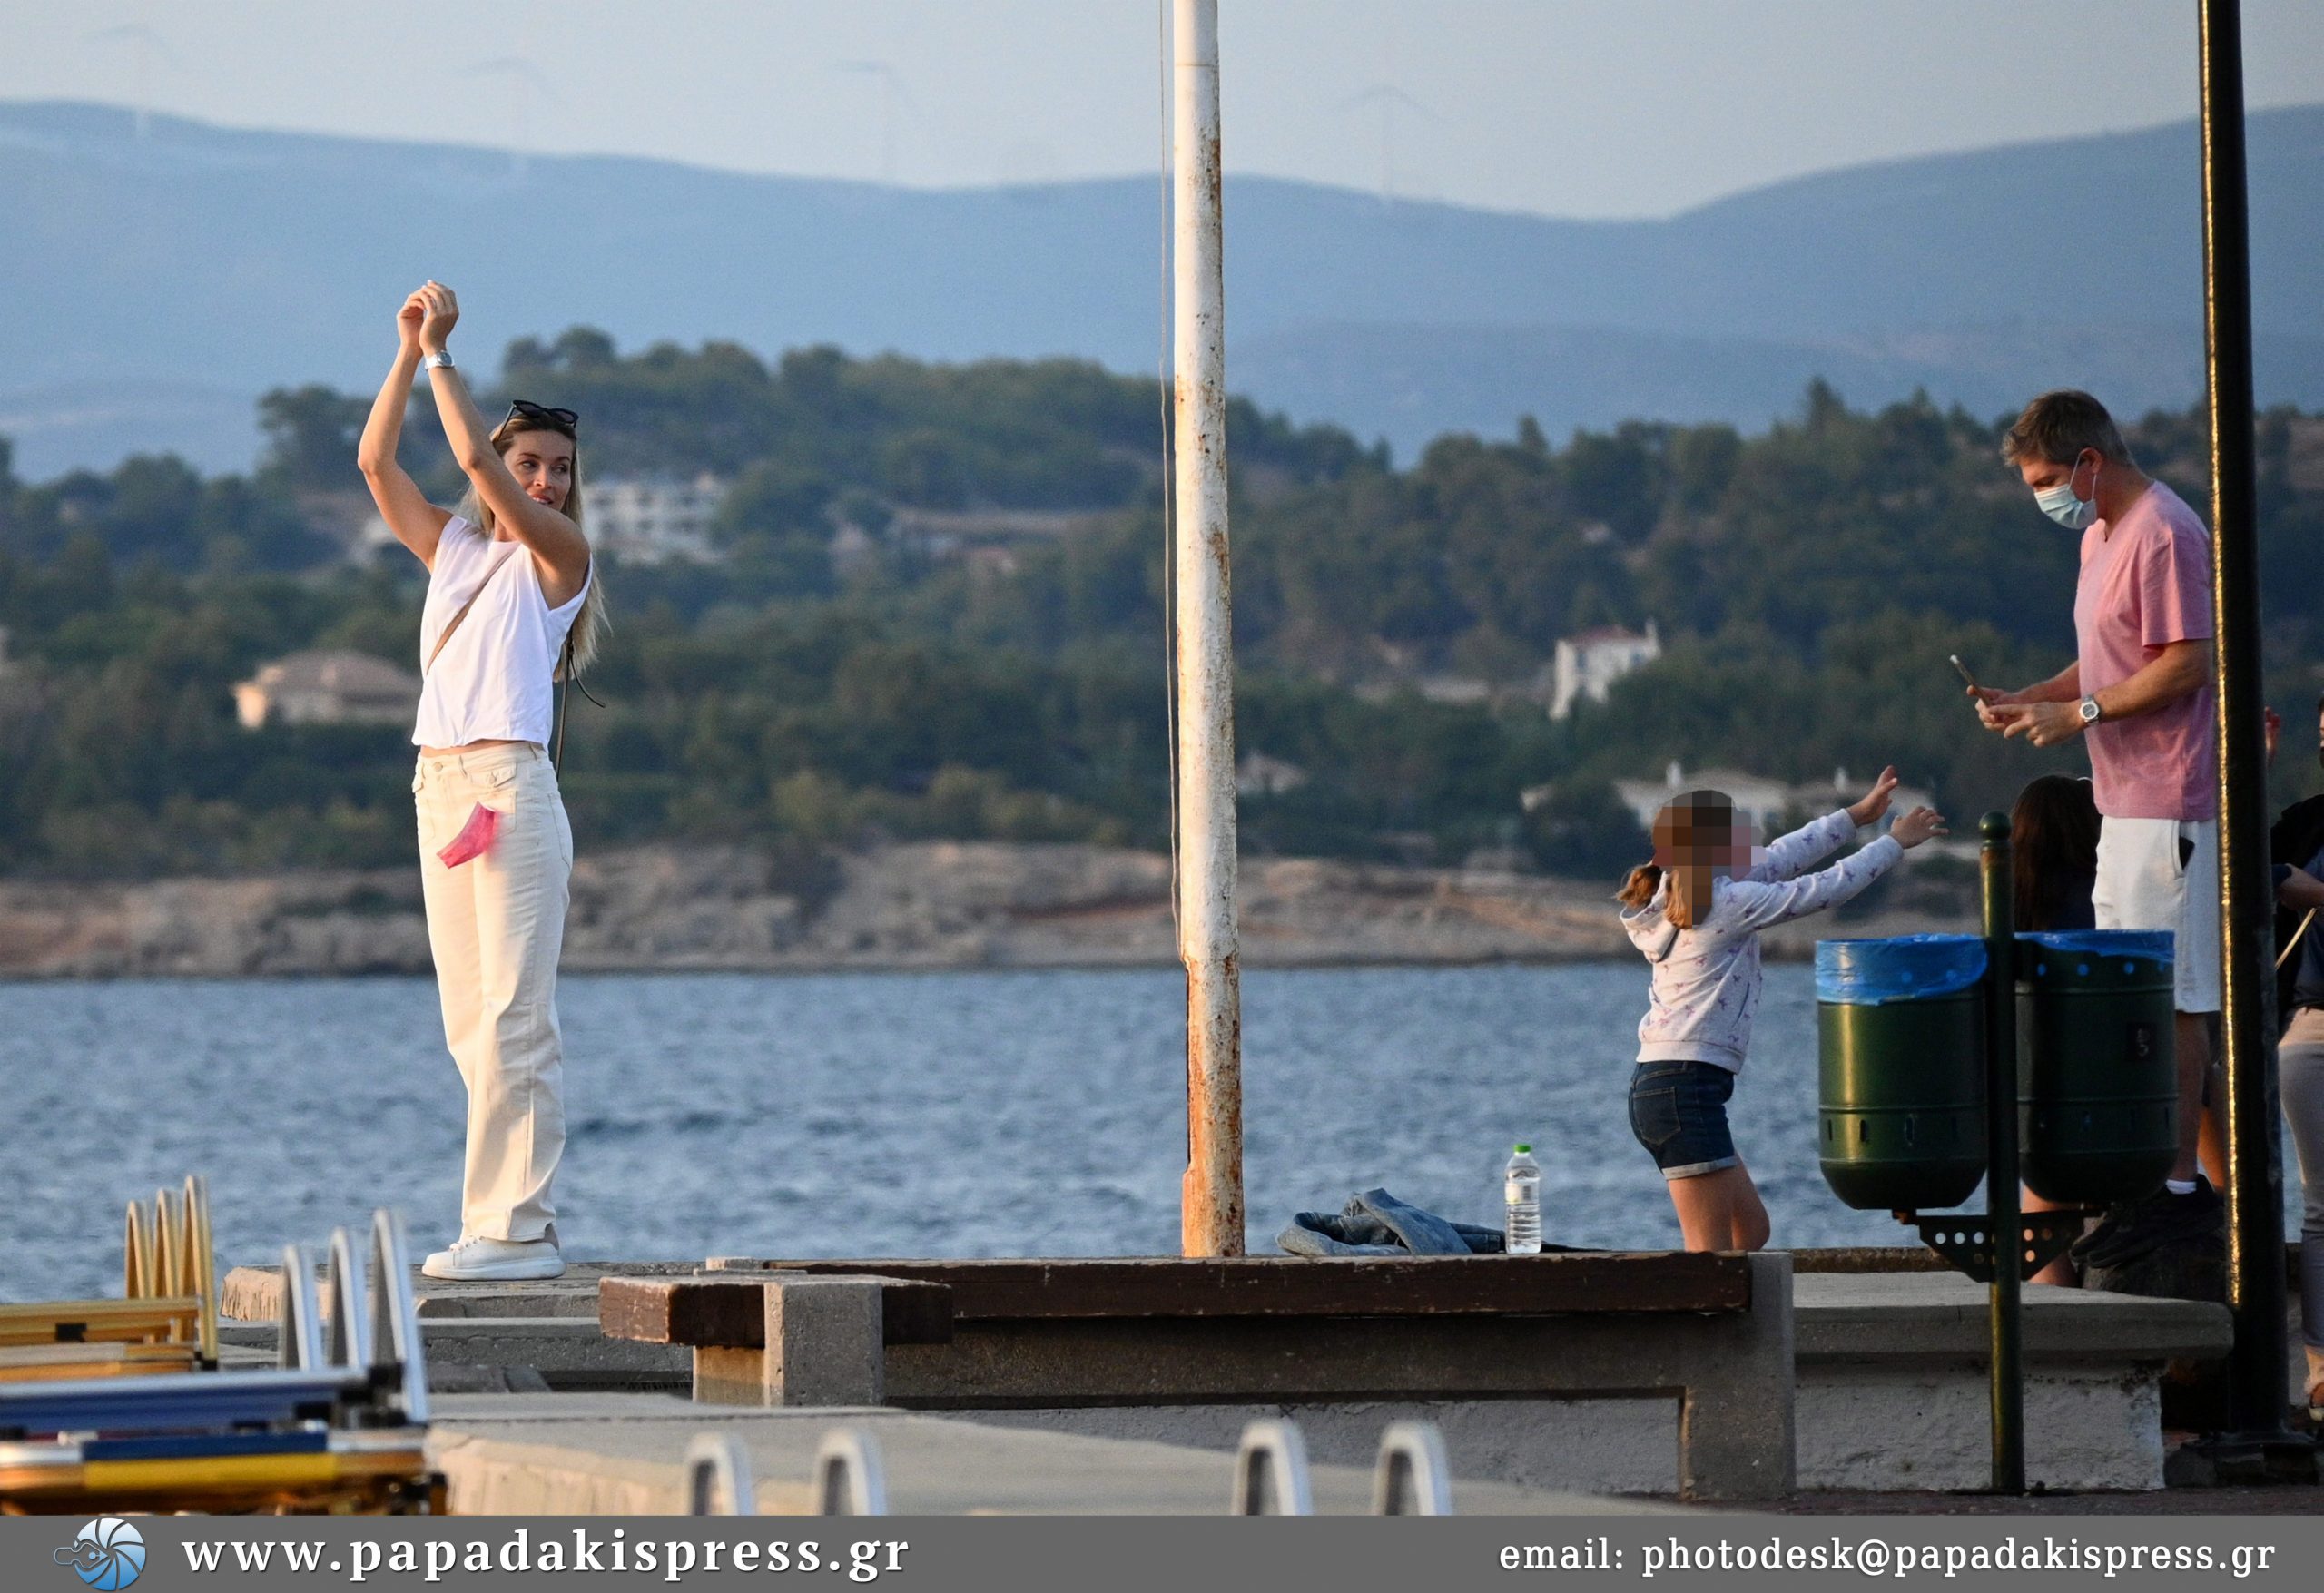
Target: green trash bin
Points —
{"points": [[1901, 1105], [2097, 1071]]}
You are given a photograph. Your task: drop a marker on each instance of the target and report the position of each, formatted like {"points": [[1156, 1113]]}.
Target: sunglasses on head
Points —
{"points": [[564, 420]]}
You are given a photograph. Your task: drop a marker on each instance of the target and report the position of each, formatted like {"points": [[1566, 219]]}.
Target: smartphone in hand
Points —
{"points": [[1963, 670]]}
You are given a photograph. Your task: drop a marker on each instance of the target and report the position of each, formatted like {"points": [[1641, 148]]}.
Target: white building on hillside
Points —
{"points": [[1764, 803], [1758, 801], [323, 687], [1260, 775], [1821, 796], [1588, 666], [646, 520]]}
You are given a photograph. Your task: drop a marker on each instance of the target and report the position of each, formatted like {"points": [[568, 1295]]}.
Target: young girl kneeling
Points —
{"points": [[1696, 912]]}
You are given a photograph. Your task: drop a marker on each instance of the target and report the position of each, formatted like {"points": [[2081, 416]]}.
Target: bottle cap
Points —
{"points": [[1525, 1150]]}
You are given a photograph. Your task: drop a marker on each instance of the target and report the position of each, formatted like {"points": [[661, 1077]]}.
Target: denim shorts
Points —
{"points": [[1678, 1112]]}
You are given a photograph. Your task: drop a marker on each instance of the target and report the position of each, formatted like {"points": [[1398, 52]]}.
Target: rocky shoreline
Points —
{"points": [[922, 905]]}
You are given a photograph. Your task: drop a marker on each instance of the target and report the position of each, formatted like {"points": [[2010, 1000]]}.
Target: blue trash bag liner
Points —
{"points": [[2132, 945], [1905, 968]]}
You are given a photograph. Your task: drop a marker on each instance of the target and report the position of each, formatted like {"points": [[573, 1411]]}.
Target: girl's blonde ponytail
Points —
{"points": [[1640, 888], [1691, 891]]}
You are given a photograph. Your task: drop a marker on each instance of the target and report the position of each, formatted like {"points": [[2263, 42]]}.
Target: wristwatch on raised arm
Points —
{"points": [[2090, 711], [441, 359]]}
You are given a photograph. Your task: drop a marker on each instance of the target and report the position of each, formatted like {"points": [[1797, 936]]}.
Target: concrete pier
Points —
{"points": [[1889, 1385], [585, 1454]]}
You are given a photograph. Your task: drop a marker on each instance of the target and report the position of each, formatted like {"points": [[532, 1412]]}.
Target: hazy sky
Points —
{"points": [[1569, 107]]}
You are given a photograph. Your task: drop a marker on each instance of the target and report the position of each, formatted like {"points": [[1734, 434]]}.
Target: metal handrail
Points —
{"points": [[395, 1314], [351, 1304], [1412, 1477], [718, 1476], [849, 1477], [298, 1335], [1271, 1472]]}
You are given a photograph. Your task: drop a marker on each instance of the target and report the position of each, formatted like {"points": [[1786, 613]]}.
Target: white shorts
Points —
{"points": [[2144, 884]]}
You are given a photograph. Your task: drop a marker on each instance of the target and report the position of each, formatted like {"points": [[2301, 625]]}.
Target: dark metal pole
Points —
{"points": [[2005, 1226], [2255, 1228]]}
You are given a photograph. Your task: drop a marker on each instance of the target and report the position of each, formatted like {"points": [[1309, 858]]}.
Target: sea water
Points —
{"points": [[762, 1114]]}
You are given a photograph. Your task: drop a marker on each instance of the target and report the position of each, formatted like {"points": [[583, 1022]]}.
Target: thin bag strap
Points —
{"points": [[564, 704], [445, 634], [566, 680], [564, 692]]}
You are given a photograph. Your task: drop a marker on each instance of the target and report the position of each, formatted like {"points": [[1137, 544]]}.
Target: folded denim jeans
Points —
{"points": [[1376, 1223]]}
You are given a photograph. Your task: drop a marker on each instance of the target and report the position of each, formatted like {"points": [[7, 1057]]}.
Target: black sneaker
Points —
{"points": [[2134, 1228], [2105, 1237]]}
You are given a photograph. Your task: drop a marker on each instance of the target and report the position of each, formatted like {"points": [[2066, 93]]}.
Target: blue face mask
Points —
{"points": [[2061, 505]]}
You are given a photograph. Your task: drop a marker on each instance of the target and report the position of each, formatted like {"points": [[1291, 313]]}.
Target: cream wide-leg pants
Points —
{"points": [[496, 926]]}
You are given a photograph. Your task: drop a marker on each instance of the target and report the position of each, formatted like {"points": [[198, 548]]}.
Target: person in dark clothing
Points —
{"points": [[2296, 845], [2053, 853], [2121, 1250], [2054, 867]]}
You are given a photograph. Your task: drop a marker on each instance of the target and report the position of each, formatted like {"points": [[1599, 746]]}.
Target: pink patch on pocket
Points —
{"points": [[473, 840]]}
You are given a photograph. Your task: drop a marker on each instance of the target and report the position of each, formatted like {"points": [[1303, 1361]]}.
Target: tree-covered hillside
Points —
{"points": [[841, 673]]}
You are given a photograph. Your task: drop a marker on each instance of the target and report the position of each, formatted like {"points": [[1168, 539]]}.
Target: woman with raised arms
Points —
{"points": [[512, 604]]}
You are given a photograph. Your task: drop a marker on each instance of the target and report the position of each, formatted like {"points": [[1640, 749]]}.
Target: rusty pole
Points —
{"points": [[1211, 1195]]}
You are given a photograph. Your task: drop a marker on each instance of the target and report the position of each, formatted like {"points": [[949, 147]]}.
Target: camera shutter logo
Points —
{"points": [[108, 1554]]}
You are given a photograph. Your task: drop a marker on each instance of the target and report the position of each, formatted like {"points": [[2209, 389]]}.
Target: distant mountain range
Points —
{"points": [[157, 285]]}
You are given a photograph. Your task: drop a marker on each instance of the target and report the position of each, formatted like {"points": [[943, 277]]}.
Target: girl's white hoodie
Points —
{"points": [[1706, 979]]}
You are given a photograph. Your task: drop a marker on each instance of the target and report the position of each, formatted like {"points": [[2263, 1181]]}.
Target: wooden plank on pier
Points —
{"points": [[49, 1363], [1586, 1282], [92, 1322], [713, 1311]]}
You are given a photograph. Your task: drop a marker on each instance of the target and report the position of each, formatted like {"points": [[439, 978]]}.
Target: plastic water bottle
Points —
{"points": [[1521, 1185]]}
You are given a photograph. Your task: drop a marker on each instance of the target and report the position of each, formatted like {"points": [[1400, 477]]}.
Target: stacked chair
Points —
{"points": [[337, 1426], [166, 1320]]}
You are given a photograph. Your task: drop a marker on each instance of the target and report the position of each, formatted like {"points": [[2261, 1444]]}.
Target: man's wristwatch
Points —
{"points": [[440, 359], [2090, 711]]}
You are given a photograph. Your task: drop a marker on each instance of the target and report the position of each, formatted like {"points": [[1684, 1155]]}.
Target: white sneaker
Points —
{"points": [[477, 1259]]}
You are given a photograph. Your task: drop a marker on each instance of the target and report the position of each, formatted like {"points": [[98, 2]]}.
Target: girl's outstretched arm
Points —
{"points": [[554, 539], [418, 524], [1804, 848], [1810, 845], [1760, 904]]}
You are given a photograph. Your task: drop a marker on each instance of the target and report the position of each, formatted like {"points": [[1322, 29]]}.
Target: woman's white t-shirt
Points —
{"points": [[493, 679]]}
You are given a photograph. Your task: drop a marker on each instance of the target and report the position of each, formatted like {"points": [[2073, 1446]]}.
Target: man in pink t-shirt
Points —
{"points": [[2139, 693]]}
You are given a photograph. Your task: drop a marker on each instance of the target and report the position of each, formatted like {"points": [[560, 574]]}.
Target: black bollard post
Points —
{"points": [[2004, 1225], [2259, 1446]]}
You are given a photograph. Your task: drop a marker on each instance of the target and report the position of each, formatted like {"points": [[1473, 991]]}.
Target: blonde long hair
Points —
{"points": [[590, 626], [1692, 835]]}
